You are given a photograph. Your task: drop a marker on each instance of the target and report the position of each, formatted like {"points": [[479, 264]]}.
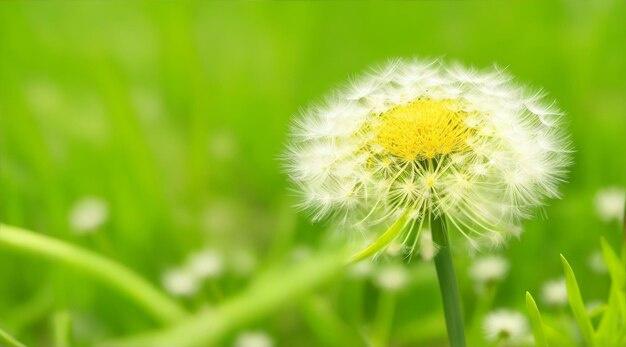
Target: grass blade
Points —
{"points": [[576, 304], [536, 322], [9, 340], [616, 268], [107, 271]]}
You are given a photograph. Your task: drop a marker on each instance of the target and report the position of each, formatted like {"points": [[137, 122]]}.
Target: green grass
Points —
{"points": [[176, 115]]}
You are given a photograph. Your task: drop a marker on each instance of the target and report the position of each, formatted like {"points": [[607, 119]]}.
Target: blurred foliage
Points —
{"points": [[175, 113]]}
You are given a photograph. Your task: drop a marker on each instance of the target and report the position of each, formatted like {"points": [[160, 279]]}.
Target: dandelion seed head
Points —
{"points": [[88, 214], [253, 339], [392, 277], [180, 282], [505, 325], [609, 203], [205, 264], [428, 139], [595, 261], [427, 247], [554, 292], [489, 269], [361, 269]]}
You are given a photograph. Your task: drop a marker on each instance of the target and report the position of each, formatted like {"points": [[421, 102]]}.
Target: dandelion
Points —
{"points": [[361, 269], [254, 339], [417, 145], [489, 269], [205, 264], [595, 261], [609, 204], [180, 282], [428, 249], [88, 214], [422, 140], [392, 278], [505, 325], [554, 292]]}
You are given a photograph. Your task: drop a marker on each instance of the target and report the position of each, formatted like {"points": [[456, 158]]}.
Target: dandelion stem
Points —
{"points": [[447, 283], [115, 275]]}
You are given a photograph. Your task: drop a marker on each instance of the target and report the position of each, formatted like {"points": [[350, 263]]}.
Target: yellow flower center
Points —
{"points": [[423, 129]]}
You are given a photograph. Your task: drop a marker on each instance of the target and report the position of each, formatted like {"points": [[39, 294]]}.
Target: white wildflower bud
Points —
{"points": [[395, 249], [554, 292], [505, 325], [253, 339], [88, 214], [489, 269], [180, 282], [205, 264], [423, 140], [596, 262], [392, 277], [427, 249], [609, 204], [361, 269]]}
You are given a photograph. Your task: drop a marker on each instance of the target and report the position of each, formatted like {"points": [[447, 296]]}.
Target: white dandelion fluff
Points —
{"points": [[253, 339], [489, 269], [595, 261], [427, 247], [362, 269], [554, 292], [505, 325], [180, 282], [418, 140], [609, 203], [392, 277], [205, 264], [88, 214]]}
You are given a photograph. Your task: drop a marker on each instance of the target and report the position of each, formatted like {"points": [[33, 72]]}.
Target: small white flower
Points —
{"points": [[596, 262], [361, 269], [554, 292], [489, 269], [609, 204], [392, 277], [428, 249], [205, 264], [394, 249], [505, 325], [253, 339], [88, 214], [179, 282]]}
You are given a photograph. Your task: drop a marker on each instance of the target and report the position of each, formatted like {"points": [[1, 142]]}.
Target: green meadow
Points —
{"points": [[139, 134]]}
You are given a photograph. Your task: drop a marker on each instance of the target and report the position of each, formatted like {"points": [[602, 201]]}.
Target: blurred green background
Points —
{"points": [[175, 115]]}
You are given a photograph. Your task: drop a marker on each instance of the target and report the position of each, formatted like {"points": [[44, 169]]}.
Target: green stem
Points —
{"points": [[263, 297], [115, 275], [382, 241], [62, 328], [384, 318], [9, 340], [447, 283]]}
